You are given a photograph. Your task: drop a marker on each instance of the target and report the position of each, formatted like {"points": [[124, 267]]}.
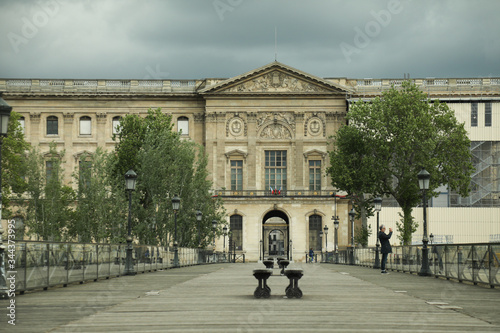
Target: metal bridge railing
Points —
{"points": [[46, 264], [476, 263]]}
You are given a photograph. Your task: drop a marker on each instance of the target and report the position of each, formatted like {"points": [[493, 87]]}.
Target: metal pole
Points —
{"points": [[176, 250], [326, 247], [336, 246], [352, 241], [129, 265], [224, 248], [377, 256], [425, 270]]}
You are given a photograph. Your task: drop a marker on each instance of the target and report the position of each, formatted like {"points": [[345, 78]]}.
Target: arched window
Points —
{"points": [[183, 125], [23, 125], [236, 228], [116, 124], [52, 125], [85, 125], [315, 222]]}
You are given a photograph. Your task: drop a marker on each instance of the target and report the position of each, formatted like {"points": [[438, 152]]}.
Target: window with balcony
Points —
{"points": [[275, 170], [315, 175], [236, 175]]}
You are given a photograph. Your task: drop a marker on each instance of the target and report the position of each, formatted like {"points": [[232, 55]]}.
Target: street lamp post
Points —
{"points": [[199, 215], [352, 214], [5, 110], [321, 243], [325, 231], [378, 207], [336, 223], [423, 182], [130, 180], [176, 203], [224, 232], [214, 227]]}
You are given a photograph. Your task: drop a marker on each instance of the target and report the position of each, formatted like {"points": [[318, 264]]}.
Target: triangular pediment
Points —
{"points": [[275, 78]]}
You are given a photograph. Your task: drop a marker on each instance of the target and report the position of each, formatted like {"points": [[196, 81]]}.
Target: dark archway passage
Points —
{"points": [[275, 234]]}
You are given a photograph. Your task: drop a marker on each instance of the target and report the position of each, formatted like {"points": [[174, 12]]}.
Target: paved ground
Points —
{"points": [[218, 298]]}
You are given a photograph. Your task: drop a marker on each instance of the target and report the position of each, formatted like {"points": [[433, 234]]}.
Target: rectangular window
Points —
{"points": [[473, 115], [275, 170], [23, 125], [314, 175], [49, 165], [236, 175], [85, 126], [487, 114], [52, 125], [183, 125]]}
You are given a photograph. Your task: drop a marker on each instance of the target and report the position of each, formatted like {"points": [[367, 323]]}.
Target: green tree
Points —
{"points": [[49, 211], [351, 169], [99, 211], [406, 132], [166, 166], [14, 150]]}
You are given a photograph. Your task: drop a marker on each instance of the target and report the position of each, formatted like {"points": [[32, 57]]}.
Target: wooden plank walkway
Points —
{"points": [[218, 298]]}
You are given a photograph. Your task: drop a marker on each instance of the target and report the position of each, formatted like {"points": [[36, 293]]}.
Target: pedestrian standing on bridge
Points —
{"points": [[385, 246]]}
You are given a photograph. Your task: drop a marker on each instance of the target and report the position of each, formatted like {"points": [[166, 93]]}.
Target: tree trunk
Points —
{"points": [[408, 225]]}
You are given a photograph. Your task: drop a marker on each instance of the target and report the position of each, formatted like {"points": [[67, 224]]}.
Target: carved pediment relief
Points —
{"points": [[275, 78], [275, 131], [276, 81], [315, 153], [236, 153]]}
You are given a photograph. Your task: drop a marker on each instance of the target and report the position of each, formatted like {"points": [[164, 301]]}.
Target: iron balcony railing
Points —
{"points": [[477, 263], [275, 193], [45, 264]]}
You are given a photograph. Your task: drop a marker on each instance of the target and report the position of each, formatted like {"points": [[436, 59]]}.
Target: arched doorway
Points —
{"points": [[275, 234]]}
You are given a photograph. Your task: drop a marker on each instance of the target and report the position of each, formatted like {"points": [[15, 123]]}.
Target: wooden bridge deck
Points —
{"points": [[219, 298]]}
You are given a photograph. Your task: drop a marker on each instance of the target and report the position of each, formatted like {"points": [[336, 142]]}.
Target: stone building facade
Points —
{"points": [[266, 133]]}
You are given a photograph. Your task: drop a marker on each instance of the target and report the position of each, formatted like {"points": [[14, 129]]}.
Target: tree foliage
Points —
{"points": [[49, 211], [167, 165], [392, 138], [14, 148], [351, 169], [99, 213]]}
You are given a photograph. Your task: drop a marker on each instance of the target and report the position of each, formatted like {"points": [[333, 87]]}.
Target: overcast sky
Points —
{"points": [[194, 39]]}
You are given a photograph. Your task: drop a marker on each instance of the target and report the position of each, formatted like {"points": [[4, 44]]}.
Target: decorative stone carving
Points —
{"points": [[211, 117], [68, 117], [101, 117], [315, 126], [236, 127], [276, 81], [199, 117], [35, 117], [275, 131], [286, 117]]}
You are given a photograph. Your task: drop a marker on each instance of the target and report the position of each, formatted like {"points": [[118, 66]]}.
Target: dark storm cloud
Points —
{"points": [[223, 38]]}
